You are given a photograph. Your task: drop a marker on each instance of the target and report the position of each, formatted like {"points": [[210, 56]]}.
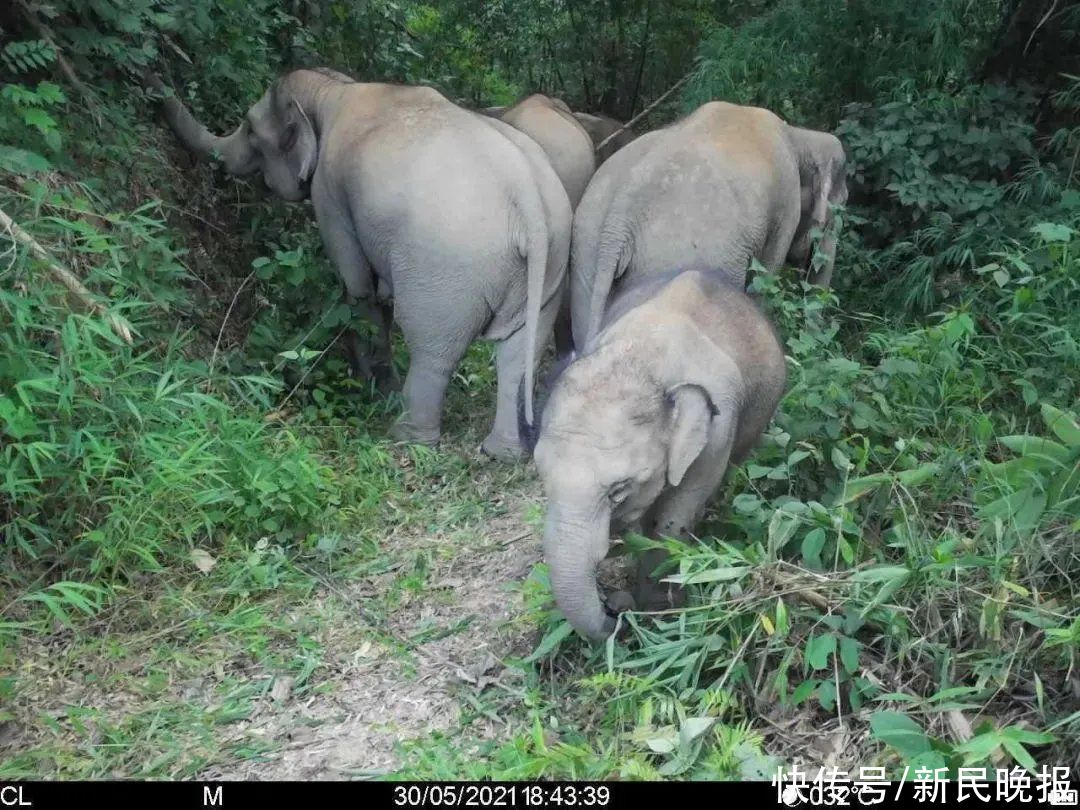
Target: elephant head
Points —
{"points": [[622, 423], [823, 184], [277, 137]]}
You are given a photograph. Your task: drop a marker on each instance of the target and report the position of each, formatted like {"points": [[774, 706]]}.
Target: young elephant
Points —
{"points": [[725, 185], [639, 430]]}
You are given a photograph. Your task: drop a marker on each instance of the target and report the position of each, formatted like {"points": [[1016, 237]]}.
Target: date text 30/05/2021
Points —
{"points": [[480, 795]]}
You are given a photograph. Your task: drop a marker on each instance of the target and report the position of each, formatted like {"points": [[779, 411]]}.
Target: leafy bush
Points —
{"points": [[121, 460], [805, 60]]}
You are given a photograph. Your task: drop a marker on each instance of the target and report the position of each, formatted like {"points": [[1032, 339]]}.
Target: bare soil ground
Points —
{"points": [[380, 699]]}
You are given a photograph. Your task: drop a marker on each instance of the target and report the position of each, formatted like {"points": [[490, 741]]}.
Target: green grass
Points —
{"points": [[213, 562], [890, 571]]}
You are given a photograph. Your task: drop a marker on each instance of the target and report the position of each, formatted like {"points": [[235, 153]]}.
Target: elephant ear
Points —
{"points": [[299, 143], [823, 181], [691, 414], [823, 178]]}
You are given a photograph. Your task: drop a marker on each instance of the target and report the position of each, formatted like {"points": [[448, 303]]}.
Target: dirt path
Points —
{"points": [[460, 629]]}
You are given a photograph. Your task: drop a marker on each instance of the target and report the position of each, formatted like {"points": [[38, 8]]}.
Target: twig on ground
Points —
{"points": [[65, 276], [225, 321]]}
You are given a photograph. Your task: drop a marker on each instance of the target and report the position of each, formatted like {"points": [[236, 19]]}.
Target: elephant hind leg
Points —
{"points": [[503, 441], [435, 351]]}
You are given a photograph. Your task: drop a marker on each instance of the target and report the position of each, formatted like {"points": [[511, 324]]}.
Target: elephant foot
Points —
{"points": [[619, 602], [404, 432], [650, 593], [653, 595], [502, 448]]}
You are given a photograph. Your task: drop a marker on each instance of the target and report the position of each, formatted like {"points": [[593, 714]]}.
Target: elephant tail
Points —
{"points": [[593, 283], [533, 244]]}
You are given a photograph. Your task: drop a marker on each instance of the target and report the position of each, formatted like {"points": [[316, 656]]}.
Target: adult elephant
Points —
{"points": [[723, 186], [457, 219], [600, 128], [550, 123]]}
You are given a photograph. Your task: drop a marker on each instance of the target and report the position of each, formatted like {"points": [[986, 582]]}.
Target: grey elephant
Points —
{"points": [[455, 219], [600, 128], [725, 185], [549, 122], [638, 431]]}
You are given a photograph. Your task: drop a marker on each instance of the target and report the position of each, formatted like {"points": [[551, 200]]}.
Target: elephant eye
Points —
{"points": [[619, 492], [289, 138]]}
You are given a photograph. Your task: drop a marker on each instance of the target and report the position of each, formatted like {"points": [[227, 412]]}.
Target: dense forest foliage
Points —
{"points": [[197, 503]]}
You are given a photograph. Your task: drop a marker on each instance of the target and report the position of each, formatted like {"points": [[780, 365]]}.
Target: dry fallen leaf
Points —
{"points": [[203, 560], [960, 725], [282, 689]]}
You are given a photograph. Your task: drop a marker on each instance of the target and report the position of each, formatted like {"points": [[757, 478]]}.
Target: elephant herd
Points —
{"points": [[534, 222]]}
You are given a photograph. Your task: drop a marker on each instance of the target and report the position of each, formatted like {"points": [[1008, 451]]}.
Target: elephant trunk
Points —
{"points": [[235, 151], [575, 541]]}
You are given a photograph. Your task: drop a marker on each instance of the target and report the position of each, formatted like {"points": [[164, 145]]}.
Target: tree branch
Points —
{"points": [[646, 111], [65, 66], [64, 276]]}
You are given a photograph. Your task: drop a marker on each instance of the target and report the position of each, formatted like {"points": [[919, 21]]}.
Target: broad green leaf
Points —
{"points": [[1035, 445], [1053, 232], [803, 691], [849, 654], [839, 460], [857, 487], [1023, 735], [812, 545], [22, 161], [663, 745], [881, 573], [900, 732], [781, 618], [694, 727], [819, 649], [796, 457], [914, 477], [1064, 425], [1020, 754], [980, 747], [746, 504], [826, 695], [782, 526]]}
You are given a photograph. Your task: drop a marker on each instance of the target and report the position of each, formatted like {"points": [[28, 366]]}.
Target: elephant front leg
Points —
{"points": [[381, 366], [678, 510], [357, 276]]}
